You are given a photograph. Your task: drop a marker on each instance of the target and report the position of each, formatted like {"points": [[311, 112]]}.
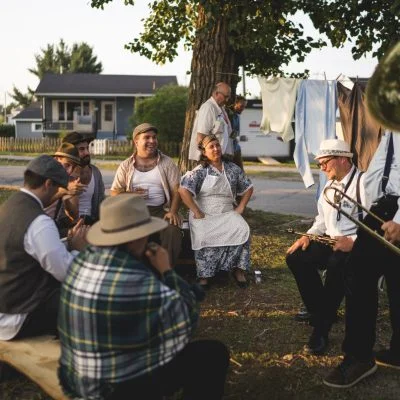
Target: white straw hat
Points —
{"points": [[123, 218], [334, 147]]}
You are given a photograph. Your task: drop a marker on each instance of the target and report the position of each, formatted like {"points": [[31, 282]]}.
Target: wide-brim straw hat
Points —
{"points": [[123, 218], [334, 147], [68, 150]]}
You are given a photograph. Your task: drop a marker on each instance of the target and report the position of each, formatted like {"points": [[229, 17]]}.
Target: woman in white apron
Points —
{"points": [[220, 235]]}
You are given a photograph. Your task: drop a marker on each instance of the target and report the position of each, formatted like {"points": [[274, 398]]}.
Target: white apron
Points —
{"points": [[221, 226]]}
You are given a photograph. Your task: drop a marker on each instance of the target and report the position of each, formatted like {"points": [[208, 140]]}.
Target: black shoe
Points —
{"points": [[302, 316], [349, 373], [204, 283], [241, 284], [386, 358], [221, 278], [317, 344]]}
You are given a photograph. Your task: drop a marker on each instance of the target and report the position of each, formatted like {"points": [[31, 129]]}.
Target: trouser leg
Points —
{"points": [[305, 267], [365, 266], [170, 238], [392, 277], [333, 290], [237, 158], [202, 366], [199, 369], [43, 320]]}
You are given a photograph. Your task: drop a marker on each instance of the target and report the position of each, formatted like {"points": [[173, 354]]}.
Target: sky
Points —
{"points": [[27, 26]]}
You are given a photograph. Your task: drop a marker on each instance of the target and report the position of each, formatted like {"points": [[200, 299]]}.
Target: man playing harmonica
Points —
{"points": [[306, 257]]}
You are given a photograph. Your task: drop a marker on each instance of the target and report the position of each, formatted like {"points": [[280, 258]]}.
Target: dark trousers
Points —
{"points": [[200, 370], [368, 261], [322, 299], [170, 238], [43, 320], [237, 158]]}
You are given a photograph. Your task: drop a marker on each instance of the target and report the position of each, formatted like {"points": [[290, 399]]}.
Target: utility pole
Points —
{"points": [[244, 81], [5, 107]]}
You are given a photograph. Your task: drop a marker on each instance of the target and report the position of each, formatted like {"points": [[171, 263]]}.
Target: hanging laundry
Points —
{"points": [[315, 121], [360, 130], [278, 100]]}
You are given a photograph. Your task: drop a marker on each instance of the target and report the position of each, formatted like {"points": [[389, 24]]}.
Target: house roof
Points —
{"points": [[102, 85], [31, 113]]}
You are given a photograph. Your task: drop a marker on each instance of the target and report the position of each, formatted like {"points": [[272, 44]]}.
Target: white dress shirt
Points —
{"points": [[374, 174], [326, 221], [42, 242]]}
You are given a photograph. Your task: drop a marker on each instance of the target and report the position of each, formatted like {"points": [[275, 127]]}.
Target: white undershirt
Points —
{"points": [[150, 180], [42, 242], [85, 199]]}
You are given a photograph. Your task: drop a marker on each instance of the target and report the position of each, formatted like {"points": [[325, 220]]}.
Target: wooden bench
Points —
{"points": [[37, 358]]}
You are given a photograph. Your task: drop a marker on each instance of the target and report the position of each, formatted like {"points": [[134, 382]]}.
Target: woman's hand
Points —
{"points": [[198, 214], [240, 209]]}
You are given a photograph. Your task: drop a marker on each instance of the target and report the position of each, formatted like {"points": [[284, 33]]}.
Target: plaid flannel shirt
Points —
{"points": [[118, 320]]}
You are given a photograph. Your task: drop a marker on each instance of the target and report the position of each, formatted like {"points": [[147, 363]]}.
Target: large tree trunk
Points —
{"points": [[213, 61]]}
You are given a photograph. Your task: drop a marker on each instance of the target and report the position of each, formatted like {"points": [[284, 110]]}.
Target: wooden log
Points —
{"points": [[37, 358]]}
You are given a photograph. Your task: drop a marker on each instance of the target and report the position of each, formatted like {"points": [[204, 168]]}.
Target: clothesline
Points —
{"points": [[314, 104]]}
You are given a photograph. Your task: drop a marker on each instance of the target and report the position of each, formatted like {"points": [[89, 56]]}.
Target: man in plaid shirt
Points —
{"points": [[126, 318]]}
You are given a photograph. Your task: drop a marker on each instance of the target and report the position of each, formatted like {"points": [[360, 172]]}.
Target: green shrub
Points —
{"points": [[7, 130]]}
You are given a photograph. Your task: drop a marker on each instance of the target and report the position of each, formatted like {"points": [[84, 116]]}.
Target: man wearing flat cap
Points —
{"points": [[156, 177], [90, 199], [305, 258], [33, 260], [126, 318]]}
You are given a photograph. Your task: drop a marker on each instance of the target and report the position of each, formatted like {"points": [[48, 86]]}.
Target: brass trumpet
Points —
{"points": [[316, 238], [338, 195]]}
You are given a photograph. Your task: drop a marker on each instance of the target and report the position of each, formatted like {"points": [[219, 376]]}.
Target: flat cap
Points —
{"points": [[142, 128], [76, 137], [47, 167]]}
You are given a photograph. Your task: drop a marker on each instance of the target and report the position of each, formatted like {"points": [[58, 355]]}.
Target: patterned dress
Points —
{"points": [[221, 240]]}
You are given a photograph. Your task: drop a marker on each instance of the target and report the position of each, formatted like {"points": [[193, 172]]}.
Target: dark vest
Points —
{"points": [[24, 284]]}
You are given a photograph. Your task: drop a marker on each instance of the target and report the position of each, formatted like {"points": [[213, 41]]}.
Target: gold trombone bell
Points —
{"points": [[339, 195]]}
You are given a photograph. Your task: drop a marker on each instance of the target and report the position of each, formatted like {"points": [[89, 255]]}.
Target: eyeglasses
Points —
{"points": [[225, 95], [324, 163]]}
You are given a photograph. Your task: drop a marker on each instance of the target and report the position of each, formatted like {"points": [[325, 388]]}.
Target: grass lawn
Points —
{"points": [[258, 327]]}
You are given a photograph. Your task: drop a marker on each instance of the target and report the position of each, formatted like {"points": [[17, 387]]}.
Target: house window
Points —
{"points": [[66, 109], [73, 106], [61, 111], [108, 112], [37, 127], [86, 108]]}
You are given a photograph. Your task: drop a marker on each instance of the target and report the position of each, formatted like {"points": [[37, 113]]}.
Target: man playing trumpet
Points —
{"points": [[306, 257]]}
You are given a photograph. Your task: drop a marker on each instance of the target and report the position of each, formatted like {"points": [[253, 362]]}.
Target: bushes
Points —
{"points": [[7, 130]]}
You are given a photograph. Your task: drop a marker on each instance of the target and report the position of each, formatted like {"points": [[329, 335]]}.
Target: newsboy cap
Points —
{"points": [[142, 128], [47, 167], [76, 137]]}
